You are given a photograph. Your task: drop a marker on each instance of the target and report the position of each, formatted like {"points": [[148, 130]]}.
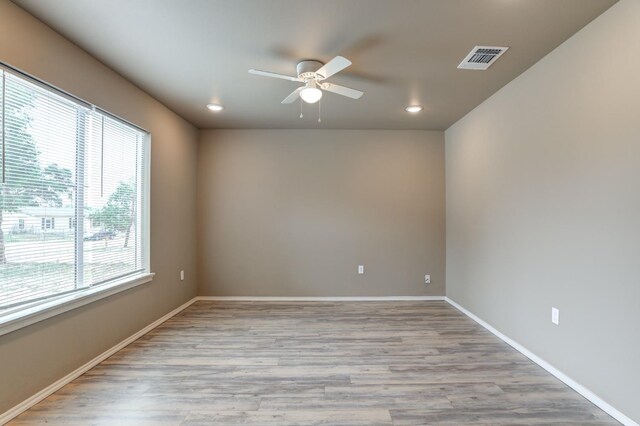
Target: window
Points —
{"points": [[48, 223], [64, 159]]}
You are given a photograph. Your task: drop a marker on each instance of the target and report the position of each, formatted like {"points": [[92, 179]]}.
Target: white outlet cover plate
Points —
{"points": [[360, 269], [555, 316]]}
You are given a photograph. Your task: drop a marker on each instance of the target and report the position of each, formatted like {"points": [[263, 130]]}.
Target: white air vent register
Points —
{"points": [[481, 57]]}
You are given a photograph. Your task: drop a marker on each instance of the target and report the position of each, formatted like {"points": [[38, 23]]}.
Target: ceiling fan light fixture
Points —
{"points": [[413, 109], [215, 107], [311, 94]]}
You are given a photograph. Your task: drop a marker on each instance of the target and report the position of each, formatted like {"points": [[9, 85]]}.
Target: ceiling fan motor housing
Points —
{"points": [[307, 69]]}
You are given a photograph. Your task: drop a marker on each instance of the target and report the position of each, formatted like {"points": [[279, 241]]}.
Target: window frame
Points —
{"points": [[14, 318]]}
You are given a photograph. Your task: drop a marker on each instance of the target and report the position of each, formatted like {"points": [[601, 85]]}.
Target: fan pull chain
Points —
{"points": [[320, 111], [301, 115]]}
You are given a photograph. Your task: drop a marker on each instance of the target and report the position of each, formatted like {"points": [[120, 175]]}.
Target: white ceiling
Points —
{"points": [[190, 53]]}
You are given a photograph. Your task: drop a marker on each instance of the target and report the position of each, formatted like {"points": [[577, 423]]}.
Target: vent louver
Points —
{"points": [[481, 57]]}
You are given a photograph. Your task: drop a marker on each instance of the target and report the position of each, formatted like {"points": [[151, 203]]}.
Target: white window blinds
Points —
{"points": [[72, 195]]}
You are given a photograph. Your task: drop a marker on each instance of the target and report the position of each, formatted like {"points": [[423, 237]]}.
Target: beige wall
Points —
{"points": [[543, 208], [293, 212], [38, 355]]}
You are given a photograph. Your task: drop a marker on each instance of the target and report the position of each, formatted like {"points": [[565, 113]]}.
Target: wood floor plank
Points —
{"points": [[316, 363], [343, 417]]}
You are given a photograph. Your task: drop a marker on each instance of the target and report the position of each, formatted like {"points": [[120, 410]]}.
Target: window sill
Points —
{"points": [[20, 318]]}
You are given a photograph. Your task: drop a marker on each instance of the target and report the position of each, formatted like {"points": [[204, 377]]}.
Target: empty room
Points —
{"points": [[336, 212]]}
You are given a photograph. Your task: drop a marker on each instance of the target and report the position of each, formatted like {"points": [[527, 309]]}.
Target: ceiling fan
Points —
{"points": [[313, 74]]}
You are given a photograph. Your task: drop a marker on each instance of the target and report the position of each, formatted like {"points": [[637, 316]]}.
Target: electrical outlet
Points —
{"points": [[360, 269], [182, 275], [427, 279], [555, 316]]}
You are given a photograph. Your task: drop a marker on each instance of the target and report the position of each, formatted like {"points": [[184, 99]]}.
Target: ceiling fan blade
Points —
{"points": [[341, 90], [333, 66], [293, 96], [273, 74]]}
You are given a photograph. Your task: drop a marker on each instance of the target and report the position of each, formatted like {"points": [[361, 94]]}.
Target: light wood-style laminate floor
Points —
{"points": [[344, 363]]}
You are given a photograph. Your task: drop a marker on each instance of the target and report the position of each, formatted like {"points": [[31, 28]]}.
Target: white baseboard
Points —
{"points": [[318, 299], [33, 400], [605, 406]]}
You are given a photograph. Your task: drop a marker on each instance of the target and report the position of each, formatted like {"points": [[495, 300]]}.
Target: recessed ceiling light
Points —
{"points": [[413, 108], [215, 107]]}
